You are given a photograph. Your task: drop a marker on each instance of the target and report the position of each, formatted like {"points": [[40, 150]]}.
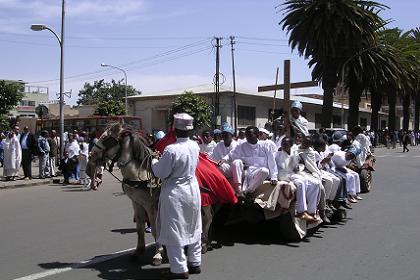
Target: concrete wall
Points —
{"points": [[154, 110]]}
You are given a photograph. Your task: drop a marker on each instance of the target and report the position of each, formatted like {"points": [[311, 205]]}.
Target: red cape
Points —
{"points": [[214, 187]]}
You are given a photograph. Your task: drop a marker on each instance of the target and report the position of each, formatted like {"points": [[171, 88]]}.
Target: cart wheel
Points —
{"points": [[365, 180]]}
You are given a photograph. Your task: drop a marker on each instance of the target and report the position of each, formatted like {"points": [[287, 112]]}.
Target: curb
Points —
{"points": [[5, 186]]}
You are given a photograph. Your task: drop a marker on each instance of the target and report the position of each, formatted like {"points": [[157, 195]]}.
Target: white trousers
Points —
{"points": [[352, 182], [306, 194], [53, 166], [331, 183], [179, 261], [251, 179], [84, 179]]}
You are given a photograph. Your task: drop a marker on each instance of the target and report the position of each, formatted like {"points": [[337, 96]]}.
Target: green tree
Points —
{"points": [[102, 91], [415, 35], [328, 32], [110, 108], [194, 105], [10, 95]]}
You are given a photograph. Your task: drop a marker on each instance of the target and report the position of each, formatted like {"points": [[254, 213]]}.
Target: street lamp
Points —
{"points": [[125, 77], [40, 27]]}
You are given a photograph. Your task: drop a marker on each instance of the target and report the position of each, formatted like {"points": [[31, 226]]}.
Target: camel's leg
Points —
{"points": [[206, 219]]}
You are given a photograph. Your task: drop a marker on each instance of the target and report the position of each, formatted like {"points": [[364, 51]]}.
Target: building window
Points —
{"points": [[363, 122], [246, 115], [336, 121]]}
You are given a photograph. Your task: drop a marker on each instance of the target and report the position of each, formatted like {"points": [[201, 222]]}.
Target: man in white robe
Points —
{"points": [[362, 142], [253, 162], [12, 156], [208, 144], [297, 121], [306, 190], [223, 148], [341, 159], [179, 216]]}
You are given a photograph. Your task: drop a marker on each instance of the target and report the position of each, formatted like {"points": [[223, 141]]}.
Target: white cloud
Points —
{"points": [[91, 10]]}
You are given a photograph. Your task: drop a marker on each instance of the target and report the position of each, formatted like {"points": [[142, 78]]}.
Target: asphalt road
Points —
{"points": [[56, 232]]}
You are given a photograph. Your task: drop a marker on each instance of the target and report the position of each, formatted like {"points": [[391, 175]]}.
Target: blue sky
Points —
{"points": [[162, 44]]}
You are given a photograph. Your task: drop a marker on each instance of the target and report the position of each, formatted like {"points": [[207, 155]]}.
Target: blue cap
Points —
{"points": [[227, 128], [297, 104], [159, 135], [217, 131]]}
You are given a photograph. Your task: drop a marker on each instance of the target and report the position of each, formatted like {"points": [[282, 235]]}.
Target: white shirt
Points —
{"points": [[208, 148], [179, 217], [279, 139], [286, 165], [309, 157], [85, 149], [300, 123], [339, 159], [221, 150], [73, 149], [256, 155]]}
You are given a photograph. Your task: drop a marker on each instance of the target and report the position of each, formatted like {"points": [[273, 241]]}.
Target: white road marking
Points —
{"points": [[417, 156], [400, 156], [382, 156], [82, 264]]}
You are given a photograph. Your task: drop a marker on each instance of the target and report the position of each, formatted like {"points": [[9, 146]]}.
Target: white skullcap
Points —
{"points": [[183, 121]]}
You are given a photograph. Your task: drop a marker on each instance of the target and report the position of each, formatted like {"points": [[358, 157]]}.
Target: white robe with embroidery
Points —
{"points": [[179, 217], [12, 156]]}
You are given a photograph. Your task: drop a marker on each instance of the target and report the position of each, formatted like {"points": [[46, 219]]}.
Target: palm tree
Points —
{"points": [[415, 36], [328, 32], [408, 53], [370, 69]]}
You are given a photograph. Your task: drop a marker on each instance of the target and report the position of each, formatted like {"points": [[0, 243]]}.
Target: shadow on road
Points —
{"points": [[124, 230], [120, 267]]}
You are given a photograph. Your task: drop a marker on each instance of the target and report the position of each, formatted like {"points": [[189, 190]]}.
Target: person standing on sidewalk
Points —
{"points": [[53, 153], [12, 156], [44, 150], [28, 144]]}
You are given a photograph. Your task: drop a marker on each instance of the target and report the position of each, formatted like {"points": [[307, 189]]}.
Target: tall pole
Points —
{"points": [[62, 81], [217, 81], [286, 97], [235, 122], [274, 98]]}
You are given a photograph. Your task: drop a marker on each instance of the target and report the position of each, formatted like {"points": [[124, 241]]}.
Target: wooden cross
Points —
{"points": [[287, 86]]}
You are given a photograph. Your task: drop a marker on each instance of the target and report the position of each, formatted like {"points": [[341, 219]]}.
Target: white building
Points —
{"points": [[252, 108]]}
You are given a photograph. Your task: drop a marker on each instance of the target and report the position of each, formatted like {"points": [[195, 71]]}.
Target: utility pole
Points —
{"points": [[217, 81], [63, 5], [235, 120]]}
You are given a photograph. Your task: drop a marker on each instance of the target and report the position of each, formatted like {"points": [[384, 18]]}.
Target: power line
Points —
{"points": [[167, 53], [75, 78], [89, 47], [262, 39], [134, 38], [262, 44]]}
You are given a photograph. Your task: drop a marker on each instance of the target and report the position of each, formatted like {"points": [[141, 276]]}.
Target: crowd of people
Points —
{"points": [[321, 168], [18, 150]]}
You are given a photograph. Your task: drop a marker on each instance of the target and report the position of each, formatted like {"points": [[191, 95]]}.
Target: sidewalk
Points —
{"points": [[20, 183]]}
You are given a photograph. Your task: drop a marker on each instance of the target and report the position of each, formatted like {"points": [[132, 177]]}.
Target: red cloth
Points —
{"points": [[214, 187]]}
